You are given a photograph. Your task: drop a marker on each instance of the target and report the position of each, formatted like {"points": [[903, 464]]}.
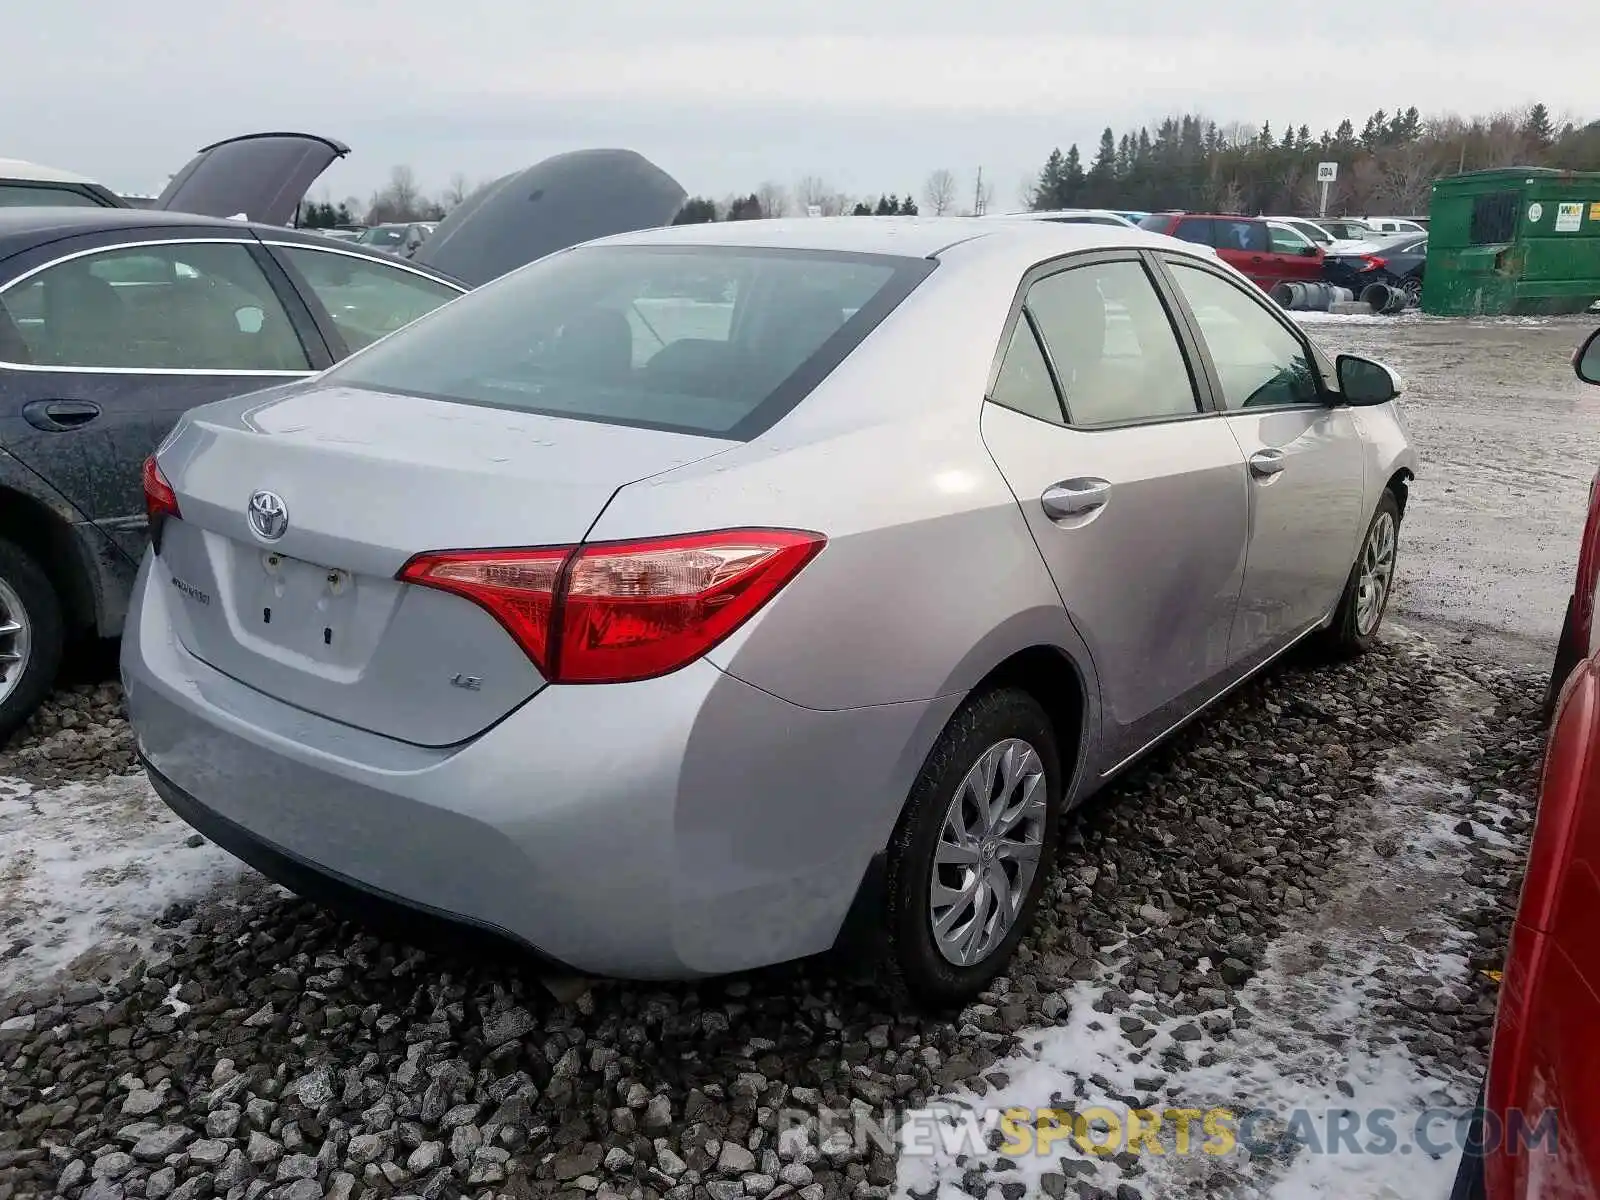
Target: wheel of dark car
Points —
{"points": [[973, 849], [1371, 582], [30, 637]]}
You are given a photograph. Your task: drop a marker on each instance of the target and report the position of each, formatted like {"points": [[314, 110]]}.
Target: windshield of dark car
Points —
{"points": [[704, 339]]}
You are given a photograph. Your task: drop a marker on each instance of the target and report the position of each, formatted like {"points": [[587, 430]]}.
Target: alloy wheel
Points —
{"points": [[15, 640], [988, 852], [1377, 574]]}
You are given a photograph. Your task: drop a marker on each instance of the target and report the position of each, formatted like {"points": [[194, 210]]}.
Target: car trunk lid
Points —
{"points": [[301, 601], [260, 176], [560, 202]]}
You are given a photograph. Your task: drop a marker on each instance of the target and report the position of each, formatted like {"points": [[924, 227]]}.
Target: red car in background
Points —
{"points": [[1538, 1133], [1245, 243]]}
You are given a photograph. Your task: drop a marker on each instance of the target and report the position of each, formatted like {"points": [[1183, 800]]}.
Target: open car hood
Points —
{"points": [[262, 176], [564, 200]]}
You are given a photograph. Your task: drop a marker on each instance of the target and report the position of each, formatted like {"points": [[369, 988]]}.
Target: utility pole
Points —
{"points": [[977, 195]]}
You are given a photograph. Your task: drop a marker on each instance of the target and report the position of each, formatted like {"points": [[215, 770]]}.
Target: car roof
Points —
{"points": [[906, 237], [23, 228], [16, 168]]}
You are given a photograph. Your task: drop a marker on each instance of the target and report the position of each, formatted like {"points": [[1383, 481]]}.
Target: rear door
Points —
{"points": [[356, 299], [259, 176], [115, 339], [1244, 245], [1305, 457], [1134, 490]]}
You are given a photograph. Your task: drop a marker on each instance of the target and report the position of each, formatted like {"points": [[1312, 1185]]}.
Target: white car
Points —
{"points": [[1394, 225], [26, 185], [1067, 216]]}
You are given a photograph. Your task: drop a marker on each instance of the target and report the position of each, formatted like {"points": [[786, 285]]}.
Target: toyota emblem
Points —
{"points": [[269, 516]]}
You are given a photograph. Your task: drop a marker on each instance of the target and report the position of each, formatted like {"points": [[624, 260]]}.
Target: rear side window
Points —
{"points": [[1194, 229], [366, 299], [1242, 235], [712, 340], [1156, 222], [1112, 344], [1024, 384]]}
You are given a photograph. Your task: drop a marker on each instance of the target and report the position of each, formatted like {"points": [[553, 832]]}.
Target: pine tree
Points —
{"points": [[1538, 128], [908, 206]]}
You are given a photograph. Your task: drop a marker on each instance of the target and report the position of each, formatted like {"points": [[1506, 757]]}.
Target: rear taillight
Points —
{"points": [[1371, 263], [611, 612], [159, 498]]}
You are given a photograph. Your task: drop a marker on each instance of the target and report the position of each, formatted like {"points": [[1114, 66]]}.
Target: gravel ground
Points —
{"points": [[263, 1046], [1292, 905]]}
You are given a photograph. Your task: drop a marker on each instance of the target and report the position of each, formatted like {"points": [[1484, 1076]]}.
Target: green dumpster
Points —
{"points": [[1517, 240]]}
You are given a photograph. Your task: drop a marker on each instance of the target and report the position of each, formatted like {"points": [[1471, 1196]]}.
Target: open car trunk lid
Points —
{"points": [[560, 202], [366, 480], [262, 176]]}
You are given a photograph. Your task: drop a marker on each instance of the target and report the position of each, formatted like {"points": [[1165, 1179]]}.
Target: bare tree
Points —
{"points": [[774, 199], [813, 192], [939, 192], [399, 200], [1406, 177], [458, 191]]}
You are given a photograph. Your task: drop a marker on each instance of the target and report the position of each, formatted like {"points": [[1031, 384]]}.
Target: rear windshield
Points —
{"points": [[711, 340]]}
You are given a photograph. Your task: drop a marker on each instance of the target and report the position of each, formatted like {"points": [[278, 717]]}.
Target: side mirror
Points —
{"points": [[1587, 360], [1363, 382], [1308, 251]]}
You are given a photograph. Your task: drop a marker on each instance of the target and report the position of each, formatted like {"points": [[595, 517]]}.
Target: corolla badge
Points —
{"points": [[268, 515]]}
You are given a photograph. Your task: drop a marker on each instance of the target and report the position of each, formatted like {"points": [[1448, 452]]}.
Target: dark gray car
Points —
{"points": [[115, 321]]}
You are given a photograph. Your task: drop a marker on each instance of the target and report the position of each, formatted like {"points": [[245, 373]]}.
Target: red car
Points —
{"points": [[1579, 636], [1540, 1121], [1245, 243]]}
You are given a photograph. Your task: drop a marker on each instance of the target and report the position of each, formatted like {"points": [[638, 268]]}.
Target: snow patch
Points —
{"points": [[85, 868]]}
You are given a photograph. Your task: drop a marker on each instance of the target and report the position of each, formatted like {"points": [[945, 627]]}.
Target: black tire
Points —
{"points": [[1469, 1183], [1343, 637], [43, 612], [909, 966], [1568, 655]]}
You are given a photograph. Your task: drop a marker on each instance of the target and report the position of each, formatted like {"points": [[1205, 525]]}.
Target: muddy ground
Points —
{"points": [[1509, 440]]}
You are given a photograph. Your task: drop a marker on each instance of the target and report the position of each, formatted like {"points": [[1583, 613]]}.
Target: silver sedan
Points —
{"points": [[714, 596]]}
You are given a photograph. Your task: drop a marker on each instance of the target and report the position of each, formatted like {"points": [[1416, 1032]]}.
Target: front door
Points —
{"points": [[1243, 244], [1305, 459], [1135, 496], [113, 343]]}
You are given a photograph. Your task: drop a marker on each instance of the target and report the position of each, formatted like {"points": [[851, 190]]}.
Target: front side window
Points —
{"points": [[366, 299], [1113, 346], [1260, 363], [1287, 241], [185, 307], [712, 340]]}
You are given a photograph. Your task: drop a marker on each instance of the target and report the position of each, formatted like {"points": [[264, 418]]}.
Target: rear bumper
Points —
{"points": [[681, 826]]}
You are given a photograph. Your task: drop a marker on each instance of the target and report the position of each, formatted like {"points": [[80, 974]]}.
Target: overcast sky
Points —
{"points": [[871, 95]]}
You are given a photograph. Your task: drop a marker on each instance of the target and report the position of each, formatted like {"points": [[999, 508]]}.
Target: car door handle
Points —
{"points": [[1265, 463], [56, 416], [1074, 497]]}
